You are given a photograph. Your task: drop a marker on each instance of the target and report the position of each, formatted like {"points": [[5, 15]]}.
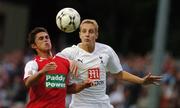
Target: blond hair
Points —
{"points": [[91, 21]]}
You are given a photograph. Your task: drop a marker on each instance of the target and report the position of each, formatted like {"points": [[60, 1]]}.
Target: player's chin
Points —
{"points": [[87, 42], [48, 46]]}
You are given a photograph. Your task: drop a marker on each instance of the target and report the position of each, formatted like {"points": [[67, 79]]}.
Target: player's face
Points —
{"points": [[88, 34], [42, 42]]}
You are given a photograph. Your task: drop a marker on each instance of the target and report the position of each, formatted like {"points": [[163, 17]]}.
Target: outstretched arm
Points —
{"points": [[148, 79], [75, 88]]}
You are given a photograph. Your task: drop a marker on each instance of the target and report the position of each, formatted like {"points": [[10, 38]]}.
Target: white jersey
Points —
{"points": [[93, 66]]}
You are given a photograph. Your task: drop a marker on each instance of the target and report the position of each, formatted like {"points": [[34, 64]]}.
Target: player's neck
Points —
{"points": [[88, 48], [45, 54]]}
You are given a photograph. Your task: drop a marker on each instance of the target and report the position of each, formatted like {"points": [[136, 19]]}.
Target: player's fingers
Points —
{"points": [[147, 76], [156, 83], [73, 67], [52, 64], [156, 77], [91, 82], [74, 71]]}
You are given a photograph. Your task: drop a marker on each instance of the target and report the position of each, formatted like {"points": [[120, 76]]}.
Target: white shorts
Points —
{"points": [[90, 105]]}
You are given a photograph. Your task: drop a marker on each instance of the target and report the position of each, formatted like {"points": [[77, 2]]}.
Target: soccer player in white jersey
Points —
{"points": [[94, 60]]}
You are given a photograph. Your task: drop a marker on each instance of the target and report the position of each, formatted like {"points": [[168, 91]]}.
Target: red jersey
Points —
{"points": [[50, 89]]}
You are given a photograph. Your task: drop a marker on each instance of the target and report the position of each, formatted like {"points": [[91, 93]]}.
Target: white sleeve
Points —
{"points": [[114, 65], [31, 68]]}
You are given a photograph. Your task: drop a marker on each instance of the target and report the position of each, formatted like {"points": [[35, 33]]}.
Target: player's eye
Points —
{"points": [[91, 31], [41, 38], [47, 37], [84, 31], [44, 37]]}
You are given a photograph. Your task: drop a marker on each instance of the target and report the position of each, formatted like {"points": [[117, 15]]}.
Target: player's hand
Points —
{"points": [[49, 67], [73, 68], [151, 79], [88, 83]]}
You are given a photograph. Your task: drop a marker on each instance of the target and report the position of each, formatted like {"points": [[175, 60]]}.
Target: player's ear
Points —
{"points": [[33, 46]]}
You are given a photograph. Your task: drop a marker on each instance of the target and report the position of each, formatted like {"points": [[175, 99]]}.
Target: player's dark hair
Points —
{"points": [[32, 35]]}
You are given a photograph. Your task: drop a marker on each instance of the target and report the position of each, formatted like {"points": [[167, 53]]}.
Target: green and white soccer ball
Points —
{"points": [[68, 20]]}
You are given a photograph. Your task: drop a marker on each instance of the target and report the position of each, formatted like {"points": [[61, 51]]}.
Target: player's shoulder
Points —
{"points": [[71, 48], [60, 57], [68, 50], [102, 46], [31, 62]]}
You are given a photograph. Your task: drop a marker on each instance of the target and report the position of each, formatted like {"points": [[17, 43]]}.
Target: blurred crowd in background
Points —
{"points": [[13, 93]]}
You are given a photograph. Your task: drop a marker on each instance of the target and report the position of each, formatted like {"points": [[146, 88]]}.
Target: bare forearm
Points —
{"points": [[130, 77], [75, 88]]}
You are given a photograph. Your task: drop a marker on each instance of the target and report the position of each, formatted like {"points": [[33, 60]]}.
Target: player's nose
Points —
{"points": [[87, 34]]}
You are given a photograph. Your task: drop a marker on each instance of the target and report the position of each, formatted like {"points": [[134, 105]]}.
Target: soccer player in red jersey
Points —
{"points": [[46, 76]]}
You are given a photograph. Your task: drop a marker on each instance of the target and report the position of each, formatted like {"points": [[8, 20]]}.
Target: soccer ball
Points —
{"points": [[68, 20]]}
